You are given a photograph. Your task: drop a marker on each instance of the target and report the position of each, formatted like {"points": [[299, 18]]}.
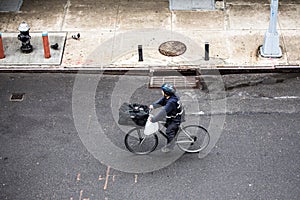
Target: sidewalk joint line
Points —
{"points": [[284, 49], [115, 30], [66, 10]]}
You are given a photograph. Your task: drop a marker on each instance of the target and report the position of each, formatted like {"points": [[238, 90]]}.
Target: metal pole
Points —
{"points": [[271, 47], [273, 16], [206, 51], [140, 50], [1, 47]]}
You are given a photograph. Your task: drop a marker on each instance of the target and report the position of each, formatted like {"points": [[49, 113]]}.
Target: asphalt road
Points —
{"points": [[43, 155]]}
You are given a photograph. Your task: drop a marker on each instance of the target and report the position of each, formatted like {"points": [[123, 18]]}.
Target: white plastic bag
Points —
{"points": [[150, 127]]}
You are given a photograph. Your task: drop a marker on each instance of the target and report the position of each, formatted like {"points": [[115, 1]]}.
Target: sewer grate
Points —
{"points": [[17, 96], [180, 79], [178, 82], [10, 5]]}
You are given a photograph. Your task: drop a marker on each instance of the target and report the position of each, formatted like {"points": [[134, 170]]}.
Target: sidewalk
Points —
{"points": [[112, 30]]}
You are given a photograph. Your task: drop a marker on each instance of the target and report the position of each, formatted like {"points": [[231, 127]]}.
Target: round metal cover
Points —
{"points": [[172, 48]]}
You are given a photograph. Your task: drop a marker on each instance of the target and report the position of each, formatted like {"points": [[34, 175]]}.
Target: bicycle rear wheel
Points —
{"points": [[193, 138], [139, 143]]}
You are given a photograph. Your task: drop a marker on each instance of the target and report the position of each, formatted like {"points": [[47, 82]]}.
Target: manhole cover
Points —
{"points": [[172, 48]]}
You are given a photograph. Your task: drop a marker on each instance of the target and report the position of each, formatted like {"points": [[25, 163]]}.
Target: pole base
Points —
{"points": [[278, 55]]}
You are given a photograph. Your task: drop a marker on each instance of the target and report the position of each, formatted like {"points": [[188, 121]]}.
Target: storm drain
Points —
{"points": [[180, 79], [17, 96], [10, 5]]}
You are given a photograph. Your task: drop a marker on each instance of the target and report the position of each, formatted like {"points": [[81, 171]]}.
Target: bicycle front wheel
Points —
{"points": [[193, 138], [139, 143]]}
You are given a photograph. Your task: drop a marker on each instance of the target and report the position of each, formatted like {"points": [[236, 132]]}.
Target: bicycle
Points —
{"points": [[190, 138]]}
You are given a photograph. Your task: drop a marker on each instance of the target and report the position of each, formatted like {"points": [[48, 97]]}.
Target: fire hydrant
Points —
{"points": [[24, 37]]}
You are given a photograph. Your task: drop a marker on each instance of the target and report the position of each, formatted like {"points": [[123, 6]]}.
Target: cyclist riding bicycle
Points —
{"points": [[172, 111]]}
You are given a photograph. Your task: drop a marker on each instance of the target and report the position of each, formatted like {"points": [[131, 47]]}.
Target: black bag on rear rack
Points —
{"points": [[133, 114]]}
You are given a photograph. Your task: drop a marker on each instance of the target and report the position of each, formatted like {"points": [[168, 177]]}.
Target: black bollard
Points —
{"points": [[140, 50], [206, 51]]}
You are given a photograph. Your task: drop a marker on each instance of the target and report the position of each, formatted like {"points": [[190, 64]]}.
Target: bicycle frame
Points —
{"points": [[180, 129], [161, 124]]}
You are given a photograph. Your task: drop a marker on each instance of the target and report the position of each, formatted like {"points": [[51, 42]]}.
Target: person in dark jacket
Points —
{"points": [[172, 111]]}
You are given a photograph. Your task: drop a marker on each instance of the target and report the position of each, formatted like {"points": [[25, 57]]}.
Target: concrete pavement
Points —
{"points": [[112, 30]]}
